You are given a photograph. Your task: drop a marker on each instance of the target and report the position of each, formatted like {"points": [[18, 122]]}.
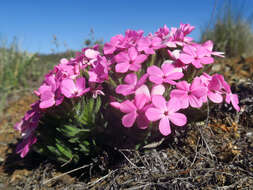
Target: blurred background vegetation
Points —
{"points": [[22, 72], [230, 31]]}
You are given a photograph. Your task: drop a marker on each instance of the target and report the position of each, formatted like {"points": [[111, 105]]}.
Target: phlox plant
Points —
{"points": [[137, 82]]}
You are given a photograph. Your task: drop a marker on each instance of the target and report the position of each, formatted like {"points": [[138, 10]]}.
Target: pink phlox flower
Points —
{"points": [[167, 74], [114, 44], [215, 87], [186, 28], [67, 71], [230, 97], [209, 46], [120, 42], [166, 112], [135, 111], [177, 36], [189, 94], [132, 37], [129, 60], [132, 83], [50, 80], [99, 72], [149, 44], [233, 98], [71, 89], [27, 126], [47, 96], [85, 58], [24, 147], [195, 55], [49, 92], [162, 32], [30, 119]]}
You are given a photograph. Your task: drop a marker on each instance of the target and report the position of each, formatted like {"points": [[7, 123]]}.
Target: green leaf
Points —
{"points": [[64, 150], [86, 143], [84, 149], [53, 150], [90, 105], [74, 140], [71, 131], [98, 104]]}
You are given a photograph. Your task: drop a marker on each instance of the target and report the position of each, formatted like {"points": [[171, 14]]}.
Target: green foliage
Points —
{"points": [[21, 71], [231, 32], [14, 70], [71, 136]]}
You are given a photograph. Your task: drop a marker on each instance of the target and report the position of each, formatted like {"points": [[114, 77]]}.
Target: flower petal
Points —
{"points": [[47, 103], [153, 114], [174, 105], [131, 79], [68, 87], [167, 68], [141, 100], [156, 79], [235, 102], [154, 70], [129, 119], [132, 53], [195, 102], [122, 67], [122, 57], [206, 60], [183, 85], [199, 92], [140, 59], [185, 58], [159, 102], [178, 93], [197, 63], [164, 126], [80, 83], [178, 119], [158, 90], [174, 76], [127, 106], [143, 90], [215, 97], [125, 89]]}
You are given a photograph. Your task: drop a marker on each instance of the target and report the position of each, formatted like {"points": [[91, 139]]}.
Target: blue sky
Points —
{"points": [[34, 22]]}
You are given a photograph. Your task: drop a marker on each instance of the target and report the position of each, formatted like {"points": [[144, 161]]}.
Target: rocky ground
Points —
{"points": [[216, 153]]}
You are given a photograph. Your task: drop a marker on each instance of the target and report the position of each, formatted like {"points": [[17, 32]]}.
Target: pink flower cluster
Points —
{"points": [[145, 77]]}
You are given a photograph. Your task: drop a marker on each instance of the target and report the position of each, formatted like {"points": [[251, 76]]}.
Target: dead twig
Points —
{"points": [[127, 159], [71, 171], [101, 179]]}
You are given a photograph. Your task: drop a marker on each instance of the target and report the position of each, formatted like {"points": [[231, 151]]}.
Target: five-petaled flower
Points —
{"points": [[166, 112]]}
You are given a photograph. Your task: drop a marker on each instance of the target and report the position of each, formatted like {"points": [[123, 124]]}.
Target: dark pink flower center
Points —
{"points": [[76, 92]]}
